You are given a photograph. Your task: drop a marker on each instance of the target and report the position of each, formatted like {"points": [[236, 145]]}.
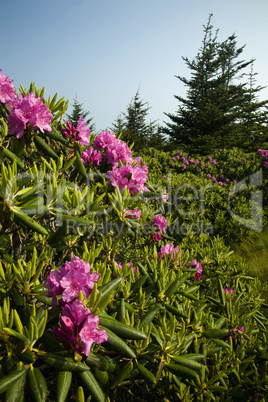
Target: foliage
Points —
{"points": [[170, 335], [217, 112]]}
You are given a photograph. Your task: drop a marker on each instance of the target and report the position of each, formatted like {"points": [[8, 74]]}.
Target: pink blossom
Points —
{"points": [[168, 249], [7, 90], [80, 134], [71, 278], [198, 267], [91, 157], [160, 223], [172, 164], [133, 177], [209, 175], [104, 139], [29, 110], [78, 328], [164, 196], [266, 163], [156, 237], [228, 290], [173, 158], [118, 151], [184, 166], [134, 213], [130, 263]]}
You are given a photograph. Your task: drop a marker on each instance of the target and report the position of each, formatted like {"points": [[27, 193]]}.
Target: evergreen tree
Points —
{"points": [[77, 112], [213, 113], [134, 127]]}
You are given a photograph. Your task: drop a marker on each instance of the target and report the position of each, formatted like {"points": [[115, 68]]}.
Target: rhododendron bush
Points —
{"points": [[99, 301]]}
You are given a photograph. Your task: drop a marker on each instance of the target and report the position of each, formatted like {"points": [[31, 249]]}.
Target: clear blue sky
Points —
{"points": [[105, 50]]}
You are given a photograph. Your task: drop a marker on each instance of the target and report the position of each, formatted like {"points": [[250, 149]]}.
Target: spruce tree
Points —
{"points": [[213, 112], [134, 127], [77, 112]]}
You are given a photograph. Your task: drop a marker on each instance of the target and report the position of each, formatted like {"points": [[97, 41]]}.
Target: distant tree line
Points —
{"points": [[221, 108]]}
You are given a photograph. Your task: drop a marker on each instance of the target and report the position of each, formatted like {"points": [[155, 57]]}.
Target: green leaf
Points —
{"points": [[117, 345], [120, 329], [149, 316], [60, 362], [21, 217], [44, 147], [90, 382], [11, 379], [15, 391], [38, 384], [64, 380], [122, 375]]}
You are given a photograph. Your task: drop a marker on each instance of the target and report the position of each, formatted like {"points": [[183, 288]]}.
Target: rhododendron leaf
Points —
{"points": [[38, 384], [64, 380], [12, 157], [44, 147], [120, 329], [60, 362], [89, 381], [21, 217], [11, 379], [116, 344], [122, 375]]}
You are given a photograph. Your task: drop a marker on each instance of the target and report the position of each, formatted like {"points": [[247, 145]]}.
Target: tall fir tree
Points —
{"points": [[134, 127], [213, 113], [77, 112]]}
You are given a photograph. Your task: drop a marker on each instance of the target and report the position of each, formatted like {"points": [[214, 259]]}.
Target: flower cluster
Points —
{"points": [[132, 176], [264, 154], [91, 157], [168, 249], [78, 327], [71, 278], [198, 267], [79, 134], [133, 213], [28, 110], [7, 90]]}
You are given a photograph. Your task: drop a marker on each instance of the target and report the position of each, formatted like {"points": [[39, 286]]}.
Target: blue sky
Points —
{"points": [[103, 51]]}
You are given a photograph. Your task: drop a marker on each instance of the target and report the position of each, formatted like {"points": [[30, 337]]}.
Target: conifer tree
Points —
{"points": [[77, 112], [213, 113], [134, 127]]}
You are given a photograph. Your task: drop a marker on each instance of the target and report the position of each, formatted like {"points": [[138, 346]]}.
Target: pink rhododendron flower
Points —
{"points": [[184, 166], [7, 90], [72, 278], [160, 223], [78, 328], [164, 196], [134, 177], [228, 290], [80, 134], [28, 110], [134, 269], [167, 250], [118, 151], [91, 157], [156, 237], [104, 140], [198, 267], [134, 213]]}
